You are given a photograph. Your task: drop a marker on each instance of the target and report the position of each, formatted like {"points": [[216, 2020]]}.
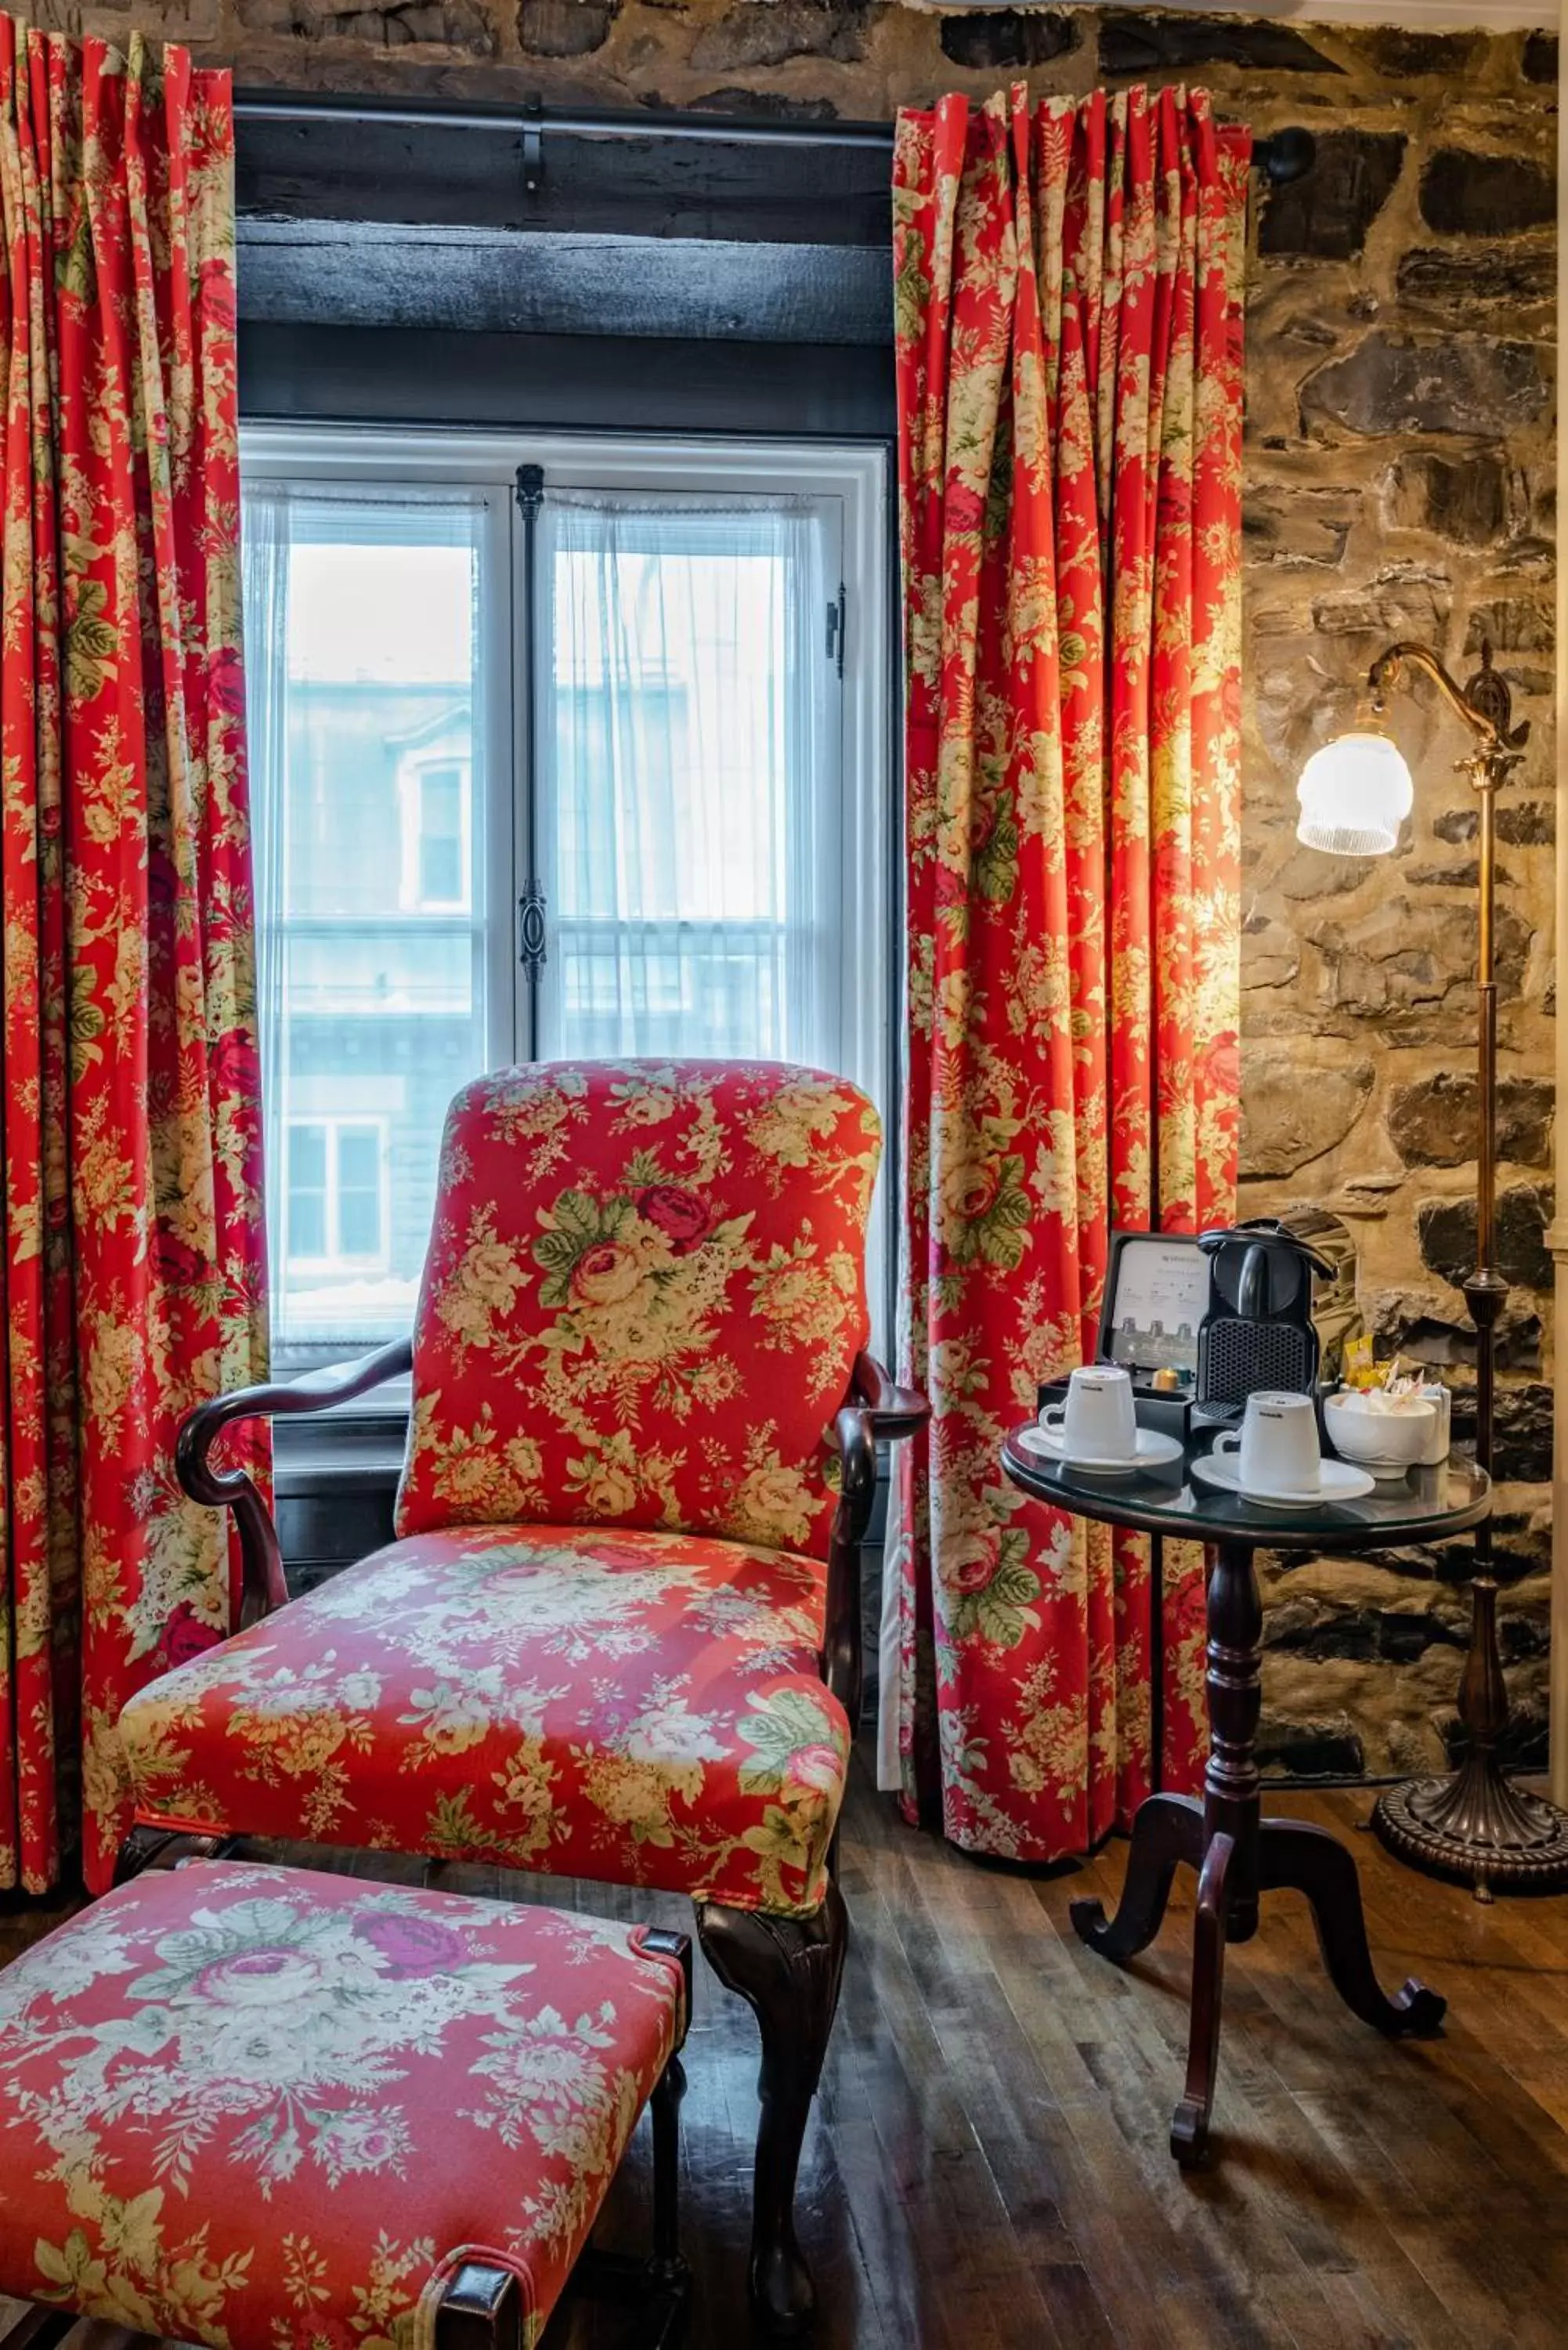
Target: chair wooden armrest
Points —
{"points": [[875, 1407], [894, 1410], [262, 1586]]}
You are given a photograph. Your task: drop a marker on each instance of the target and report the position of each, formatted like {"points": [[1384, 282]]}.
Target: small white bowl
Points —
{"points": [[1386, 1443]]}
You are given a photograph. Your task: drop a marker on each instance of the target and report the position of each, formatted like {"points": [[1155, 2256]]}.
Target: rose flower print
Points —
{"points": [[659, 1259]]}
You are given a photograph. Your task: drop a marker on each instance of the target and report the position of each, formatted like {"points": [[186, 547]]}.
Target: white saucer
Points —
{"points": [[1152, 1452], [1338, 1482]]}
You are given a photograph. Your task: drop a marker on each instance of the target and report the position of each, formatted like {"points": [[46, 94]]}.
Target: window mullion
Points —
{"points": [[532, 914]]}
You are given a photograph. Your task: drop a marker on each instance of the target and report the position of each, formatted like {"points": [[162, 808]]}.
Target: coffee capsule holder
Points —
{"points": [[1165, 1412]]}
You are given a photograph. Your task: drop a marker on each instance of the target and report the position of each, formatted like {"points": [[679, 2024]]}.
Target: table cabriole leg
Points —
{"points": [[1240, 1855], [1189, 2123], [1296, 1857], [1166, 1832]]}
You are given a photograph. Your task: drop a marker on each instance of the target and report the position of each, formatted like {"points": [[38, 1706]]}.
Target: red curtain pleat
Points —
{"points": [[1068, 286], [129, 1125]]}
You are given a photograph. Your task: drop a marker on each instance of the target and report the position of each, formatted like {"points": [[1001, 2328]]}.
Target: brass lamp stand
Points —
{"points": [[1471, 1824]]}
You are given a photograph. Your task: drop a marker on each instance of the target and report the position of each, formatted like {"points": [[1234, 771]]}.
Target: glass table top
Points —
{"points": [[1423, 1505]]}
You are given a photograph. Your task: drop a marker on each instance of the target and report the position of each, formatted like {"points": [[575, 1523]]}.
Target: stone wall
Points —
{"points": [[1399, 482]]}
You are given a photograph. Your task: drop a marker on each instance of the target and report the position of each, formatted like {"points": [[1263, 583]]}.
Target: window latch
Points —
{"points": [[531, 933], [838, 615], [532, 147]]}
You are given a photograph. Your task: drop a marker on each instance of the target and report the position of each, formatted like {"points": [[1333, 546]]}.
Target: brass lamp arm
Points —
{"points": [[1485, 705]]}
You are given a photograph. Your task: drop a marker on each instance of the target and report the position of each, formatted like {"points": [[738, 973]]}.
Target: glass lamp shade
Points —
{"points": [[1354, 793]]}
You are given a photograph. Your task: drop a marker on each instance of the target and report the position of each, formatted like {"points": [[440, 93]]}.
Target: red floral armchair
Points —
{"points": [[619, 1635]]}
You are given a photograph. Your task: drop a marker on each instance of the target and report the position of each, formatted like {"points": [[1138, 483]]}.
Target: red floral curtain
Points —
{"points": [[131, 1234], [1069, 368]]}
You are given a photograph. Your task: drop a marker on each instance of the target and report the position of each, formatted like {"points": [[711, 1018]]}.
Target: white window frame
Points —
{"points": [[332, 1123], [381, 460]]}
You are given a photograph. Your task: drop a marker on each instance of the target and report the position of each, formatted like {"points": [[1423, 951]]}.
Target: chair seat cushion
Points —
{"points": [[263, 2107], [638, 1706]]}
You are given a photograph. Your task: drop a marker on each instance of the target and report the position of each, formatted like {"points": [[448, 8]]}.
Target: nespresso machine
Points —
{"points": [[1282, 1307], [1202, 1321]]}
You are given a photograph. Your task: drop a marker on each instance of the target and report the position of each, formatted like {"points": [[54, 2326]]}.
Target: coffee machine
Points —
{"points": [[1281, 1306], [1335, 1308], [1201, 1322]]}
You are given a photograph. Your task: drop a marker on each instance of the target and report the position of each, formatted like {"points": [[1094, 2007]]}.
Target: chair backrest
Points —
{"points": [[643, 1299]]}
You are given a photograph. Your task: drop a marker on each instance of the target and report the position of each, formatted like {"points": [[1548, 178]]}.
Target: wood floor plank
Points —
{"points": [[988, 2169]]}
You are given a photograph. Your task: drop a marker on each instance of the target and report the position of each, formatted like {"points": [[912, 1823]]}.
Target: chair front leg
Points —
{"points": [[788, 1970]]}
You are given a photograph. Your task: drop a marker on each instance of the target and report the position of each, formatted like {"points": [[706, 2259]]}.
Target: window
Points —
{"points": [[440, 859], [632, 704], [368, 673], [336, 1173], [435, 798], [305, 1241], [690, 779]]}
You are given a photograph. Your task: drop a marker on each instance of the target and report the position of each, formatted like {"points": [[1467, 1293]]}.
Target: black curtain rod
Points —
{"points": [[1288, 155]]}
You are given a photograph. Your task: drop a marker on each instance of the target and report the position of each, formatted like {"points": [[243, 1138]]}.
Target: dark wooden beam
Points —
{"points": [[333, 374], [481, 220], [354, 273], [493, 173], [1284, 156]]}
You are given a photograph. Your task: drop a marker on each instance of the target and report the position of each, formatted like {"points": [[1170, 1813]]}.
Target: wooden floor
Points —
{"points": [[988, 2168]]}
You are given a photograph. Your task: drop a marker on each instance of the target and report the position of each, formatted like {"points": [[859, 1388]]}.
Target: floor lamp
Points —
{"points": [[1354, 793]]}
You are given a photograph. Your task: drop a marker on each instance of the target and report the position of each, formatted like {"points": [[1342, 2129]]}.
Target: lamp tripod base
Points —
{"points": [[1476, 1828]]}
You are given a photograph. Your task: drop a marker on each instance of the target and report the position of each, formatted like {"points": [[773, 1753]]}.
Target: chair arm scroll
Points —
{"points": [[263, 1587], [894, 1410]]}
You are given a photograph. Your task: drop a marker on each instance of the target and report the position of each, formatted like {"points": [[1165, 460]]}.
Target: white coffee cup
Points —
{"points": [[1097, 1421], [1276, 1446]]}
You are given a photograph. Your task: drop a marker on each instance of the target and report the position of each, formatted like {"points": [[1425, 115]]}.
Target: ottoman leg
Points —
{"points": [[480, 2310], [788, 1970], [667, 2266]]}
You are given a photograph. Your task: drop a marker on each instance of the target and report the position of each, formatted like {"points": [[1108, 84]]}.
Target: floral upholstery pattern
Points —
{"points": [[643, 1299], [635, 1706], [264, 2109], [1069, 280], [130, 1124]]}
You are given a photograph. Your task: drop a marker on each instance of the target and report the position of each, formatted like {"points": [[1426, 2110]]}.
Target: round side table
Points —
{"points": [[1237, 1853]]}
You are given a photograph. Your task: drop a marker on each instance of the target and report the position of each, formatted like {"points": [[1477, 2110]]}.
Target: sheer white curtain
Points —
{"points": [[265, 546], [688, 788], [368, 692]]}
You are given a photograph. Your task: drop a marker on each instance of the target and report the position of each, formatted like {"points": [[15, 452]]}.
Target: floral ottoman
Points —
{"points": [[270, 2109]]}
